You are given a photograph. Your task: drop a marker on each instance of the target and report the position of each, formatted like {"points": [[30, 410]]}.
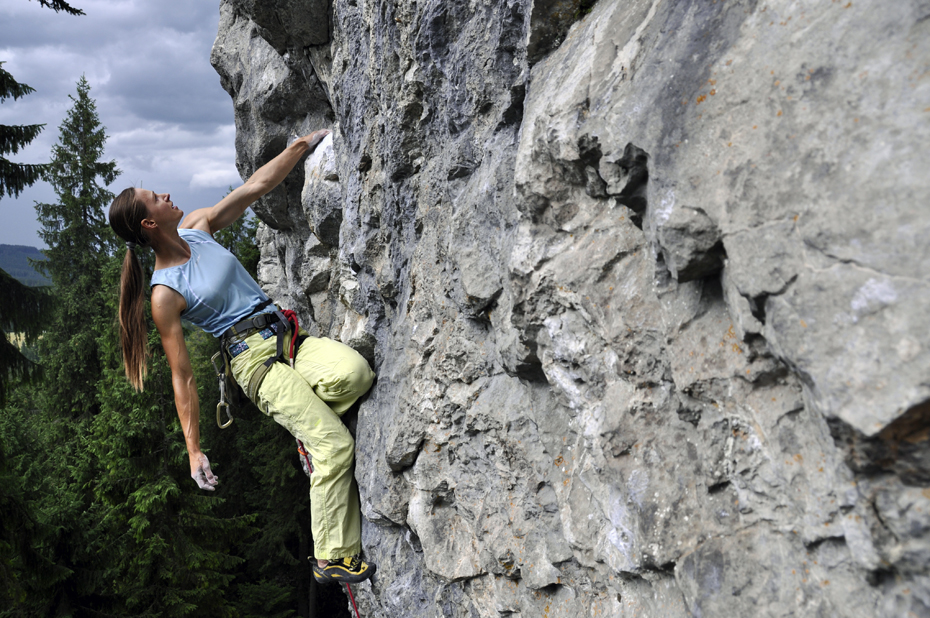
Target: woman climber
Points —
{"points": [[198, 280]]}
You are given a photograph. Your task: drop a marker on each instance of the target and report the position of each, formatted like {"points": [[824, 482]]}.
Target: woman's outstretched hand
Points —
{"points": [[201, 472], [313, 139]]}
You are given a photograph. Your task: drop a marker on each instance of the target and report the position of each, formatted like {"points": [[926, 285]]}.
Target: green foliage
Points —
{"points": [[24, 569], [115, 511], [22, 311], [14, 177], [173, 552]]}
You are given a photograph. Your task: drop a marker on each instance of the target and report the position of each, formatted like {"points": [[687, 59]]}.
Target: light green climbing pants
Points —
{"points": [[308, 401]]}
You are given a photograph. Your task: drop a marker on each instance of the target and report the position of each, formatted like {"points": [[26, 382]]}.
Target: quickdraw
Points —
{"points": [[221, 377]]}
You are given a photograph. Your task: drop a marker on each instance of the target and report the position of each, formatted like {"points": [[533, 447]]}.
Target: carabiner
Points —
{"points": [[219, 416], [221, 376]]}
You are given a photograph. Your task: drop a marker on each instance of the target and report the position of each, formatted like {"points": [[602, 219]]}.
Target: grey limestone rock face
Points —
{"points": [[644, 283]]}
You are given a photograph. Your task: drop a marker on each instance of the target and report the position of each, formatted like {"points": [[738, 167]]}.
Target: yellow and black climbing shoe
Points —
{"points": [[350, 570]]}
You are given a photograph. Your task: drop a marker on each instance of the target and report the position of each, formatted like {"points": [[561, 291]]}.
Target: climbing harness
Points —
{"points": [[279, 322]]}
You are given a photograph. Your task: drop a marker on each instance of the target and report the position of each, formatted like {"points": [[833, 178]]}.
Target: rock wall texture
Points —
{"points": [[645, 284]]}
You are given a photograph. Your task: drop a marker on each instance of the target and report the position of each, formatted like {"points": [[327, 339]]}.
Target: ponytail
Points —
{"points": [[133, 331], [126, 214]]}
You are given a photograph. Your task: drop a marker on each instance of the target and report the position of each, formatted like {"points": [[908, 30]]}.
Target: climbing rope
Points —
{"points": [[352, 598]]}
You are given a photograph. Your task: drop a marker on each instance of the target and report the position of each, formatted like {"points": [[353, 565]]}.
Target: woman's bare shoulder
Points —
{"points": [[197, 220], [167, 305]]}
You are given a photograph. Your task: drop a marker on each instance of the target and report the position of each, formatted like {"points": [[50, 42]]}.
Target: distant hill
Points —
{"points": [[14, 259]]}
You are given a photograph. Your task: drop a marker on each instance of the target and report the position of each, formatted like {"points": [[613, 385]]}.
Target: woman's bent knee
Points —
{"points": [[360, 378]]}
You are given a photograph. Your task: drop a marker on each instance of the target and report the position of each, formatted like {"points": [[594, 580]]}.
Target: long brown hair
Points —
{"points": [[126, 215]]}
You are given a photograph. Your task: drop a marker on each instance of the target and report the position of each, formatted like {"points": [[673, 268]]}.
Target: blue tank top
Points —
{"points": [[218, 290]]}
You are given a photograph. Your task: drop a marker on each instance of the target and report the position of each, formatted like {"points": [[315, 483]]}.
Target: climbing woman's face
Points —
{"points": [[159, 206]]}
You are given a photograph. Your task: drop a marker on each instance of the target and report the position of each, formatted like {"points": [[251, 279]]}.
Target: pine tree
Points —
{"points": [[80, 243], [14, 177], [21, 308]]}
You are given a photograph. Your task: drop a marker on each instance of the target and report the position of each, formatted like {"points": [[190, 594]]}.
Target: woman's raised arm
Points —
{"points": [[266, 178]]}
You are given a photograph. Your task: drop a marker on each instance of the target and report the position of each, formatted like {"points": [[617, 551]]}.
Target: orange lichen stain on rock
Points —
{"points": [[779, 113], [777, 81], [754, 127], [701, 99], [713, 91], [798, 458], [848, 5], [803, 324]]}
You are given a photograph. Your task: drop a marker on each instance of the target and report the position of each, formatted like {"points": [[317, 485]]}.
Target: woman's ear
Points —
{"points": [[149, 224]]}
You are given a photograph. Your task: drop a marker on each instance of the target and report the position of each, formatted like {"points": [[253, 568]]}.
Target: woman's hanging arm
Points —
{"points": [[266, 178], [167, 306]]}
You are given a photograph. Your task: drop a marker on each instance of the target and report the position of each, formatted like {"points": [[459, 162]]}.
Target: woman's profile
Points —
{"points": [[198, 280]]}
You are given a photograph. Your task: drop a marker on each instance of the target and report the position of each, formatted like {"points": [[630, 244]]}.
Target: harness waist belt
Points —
{"points": [[253, 322]]}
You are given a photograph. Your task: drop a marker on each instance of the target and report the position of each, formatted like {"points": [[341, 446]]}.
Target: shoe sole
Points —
{"points": [[336, 578]]}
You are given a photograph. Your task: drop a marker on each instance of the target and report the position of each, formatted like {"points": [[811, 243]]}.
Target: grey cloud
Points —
{"points": [[168, 120]]}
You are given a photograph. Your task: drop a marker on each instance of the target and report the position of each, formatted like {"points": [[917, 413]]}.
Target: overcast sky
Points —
{"points": [[169, 123]]}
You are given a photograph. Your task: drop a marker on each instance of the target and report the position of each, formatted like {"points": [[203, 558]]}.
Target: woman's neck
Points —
{"points": [[170, 249]]}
